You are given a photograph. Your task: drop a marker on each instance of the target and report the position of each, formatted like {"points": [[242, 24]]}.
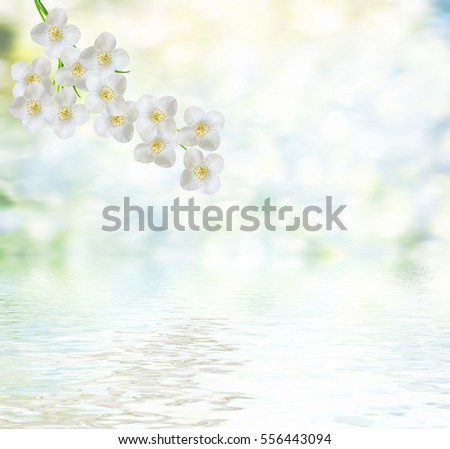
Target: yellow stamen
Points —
{"points": [[157, 145], [201, 171], [33, 107], [78, 70], [55, 33], [33, 78], [201, 129], [106, 93], [104, 57], [65, 113], [117, 120], [157, 115]]}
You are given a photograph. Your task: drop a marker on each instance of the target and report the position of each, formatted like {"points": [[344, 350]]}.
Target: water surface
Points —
{"points": [[146, 348]]}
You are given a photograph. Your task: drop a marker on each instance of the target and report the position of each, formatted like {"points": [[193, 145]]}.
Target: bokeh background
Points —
{"points": [[348, 98]]}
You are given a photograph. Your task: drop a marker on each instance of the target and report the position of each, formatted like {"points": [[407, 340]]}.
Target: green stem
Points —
{"points": [[76, 91], [39, 9], [60, 65], [44, 9]]}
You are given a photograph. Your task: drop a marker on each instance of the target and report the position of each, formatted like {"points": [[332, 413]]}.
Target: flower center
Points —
{"points": [[104, 57], [55, 33], [106, 93], [157, 116], [78, 70], [117, 120], [33, 107], [65, 113], [33, 78], [202, 129], [201, 171], [157, 145]]}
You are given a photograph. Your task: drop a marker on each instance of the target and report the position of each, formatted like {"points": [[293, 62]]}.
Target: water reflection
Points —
{"points": [[128, 348]]}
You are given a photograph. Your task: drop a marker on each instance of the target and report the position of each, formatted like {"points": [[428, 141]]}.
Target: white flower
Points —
{"points": [[104, 55], [26, 74], [75, 71], [54, 34], [30, 107], [117, 120], [201, 173], [156, 113], [64, 114], [158, 147], [202, 130], [104, 90]]}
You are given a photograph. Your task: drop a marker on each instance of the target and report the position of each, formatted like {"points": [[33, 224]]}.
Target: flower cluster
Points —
{"points": [[98, 70]]}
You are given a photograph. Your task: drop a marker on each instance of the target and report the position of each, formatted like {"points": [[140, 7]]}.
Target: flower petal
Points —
{"points": [[211, 141], [81, 84], [54, 49], [106, 41], [34, 124], [214, 163], [211, 184], [94, 82], [144, 126], [64, 130], [187, 137], [93, 103], [171, 143], [131, 111], [39, 34], [66, 97], [169, 105], [124, 133], [166, 159], [42, 66], [102, 127], [105, 70], [149, 134], [48, 86], [88, 58], [215, 119], [35, 91], [145, 104], [117, 106], [50, 111], [20, 70], [143, 154], [57, 17], [18, 108], [71, 34], [118, 83], [168, 127], [192, 158], [19, 88], [189, 181], [120, 59], [193, 115], [70, 56], [64, 77], [80, 114]]}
